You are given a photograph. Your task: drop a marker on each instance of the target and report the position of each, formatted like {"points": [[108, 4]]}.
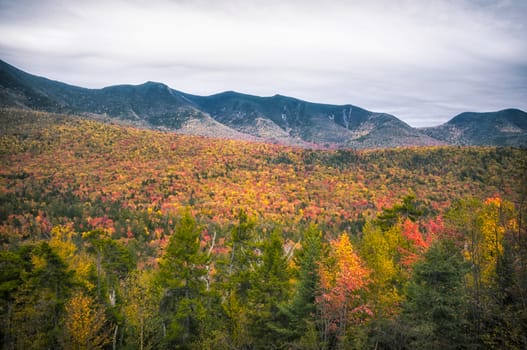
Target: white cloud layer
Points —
{"points": [[423, 61]]}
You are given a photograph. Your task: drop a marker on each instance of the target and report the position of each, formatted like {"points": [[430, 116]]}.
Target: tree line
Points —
{"points": [[403, 282]]}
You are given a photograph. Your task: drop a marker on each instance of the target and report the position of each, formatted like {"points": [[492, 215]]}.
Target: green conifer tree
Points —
{"points": [[181, 272]]}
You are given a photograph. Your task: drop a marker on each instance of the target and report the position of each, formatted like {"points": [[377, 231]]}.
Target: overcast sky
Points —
{"points": [[421, 60]]}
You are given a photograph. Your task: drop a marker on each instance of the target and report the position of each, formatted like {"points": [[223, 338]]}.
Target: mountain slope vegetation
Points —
{"points": [[119, 237], [507, 128], [277, 119]]}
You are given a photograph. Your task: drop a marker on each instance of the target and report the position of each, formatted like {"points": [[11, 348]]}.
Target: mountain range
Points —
{"points": [[277, 119]]}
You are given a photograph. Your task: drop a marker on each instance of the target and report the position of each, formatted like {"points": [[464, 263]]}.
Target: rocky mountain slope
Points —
{"points": [[281, 117], [504, 128], [278, 119]]}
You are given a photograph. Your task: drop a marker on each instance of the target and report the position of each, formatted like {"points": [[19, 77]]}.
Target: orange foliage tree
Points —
{"points": [[343, 281]]}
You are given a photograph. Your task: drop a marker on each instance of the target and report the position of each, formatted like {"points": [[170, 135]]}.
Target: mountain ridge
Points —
{"points": [[507, 127], [229, 114]]}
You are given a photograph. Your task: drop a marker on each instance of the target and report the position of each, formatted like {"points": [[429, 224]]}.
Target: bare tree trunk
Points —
{"points": [[212, 244], [99, 274], [114, 341], [142, 332], [291, 251], [207, 277], [232, 258]]}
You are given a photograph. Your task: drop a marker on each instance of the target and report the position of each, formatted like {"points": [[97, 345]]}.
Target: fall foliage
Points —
{"points": [[117, 237]]}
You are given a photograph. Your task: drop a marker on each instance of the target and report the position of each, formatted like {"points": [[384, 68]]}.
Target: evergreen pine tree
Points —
{"points": [[181, 272], [436, 307]]}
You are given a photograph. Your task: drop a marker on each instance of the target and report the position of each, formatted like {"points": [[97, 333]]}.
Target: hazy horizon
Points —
{"points": [[423, 62]]}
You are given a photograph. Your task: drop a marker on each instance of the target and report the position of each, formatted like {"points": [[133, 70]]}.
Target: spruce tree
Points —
{"points": [[436, 305], [181, 275]]}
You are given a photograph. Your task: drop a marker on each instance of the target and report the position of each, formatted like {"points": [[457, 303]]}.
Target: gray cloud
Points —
{"points": [[423, 61]]}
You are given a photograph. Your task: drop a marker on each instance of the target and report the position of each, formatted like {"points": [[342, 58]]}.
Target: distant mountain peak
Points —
{"points": [[479, 116], [507, 127], [278, 118], [149, 84]]}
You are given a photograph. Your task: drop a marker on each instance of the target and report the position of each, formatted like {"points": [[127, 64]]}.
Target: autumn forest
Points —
{"points": [[117, 237]]}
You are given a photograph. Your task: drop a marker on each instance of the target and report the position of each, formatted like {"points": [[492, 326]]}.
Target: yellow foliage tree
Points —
{"points": [[485, 246], [84, 324], [61, 241], [79, 262], [141, 308], [379, 251]]}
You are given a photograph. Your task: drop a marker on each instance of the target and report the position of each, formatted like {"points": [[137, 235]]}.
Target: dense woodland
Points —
{"points": [[114, 237]]}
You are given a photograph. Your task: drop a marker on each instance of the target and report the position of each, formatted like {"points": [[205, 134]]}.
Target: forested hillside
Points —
{"points": [[117, 237]]}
